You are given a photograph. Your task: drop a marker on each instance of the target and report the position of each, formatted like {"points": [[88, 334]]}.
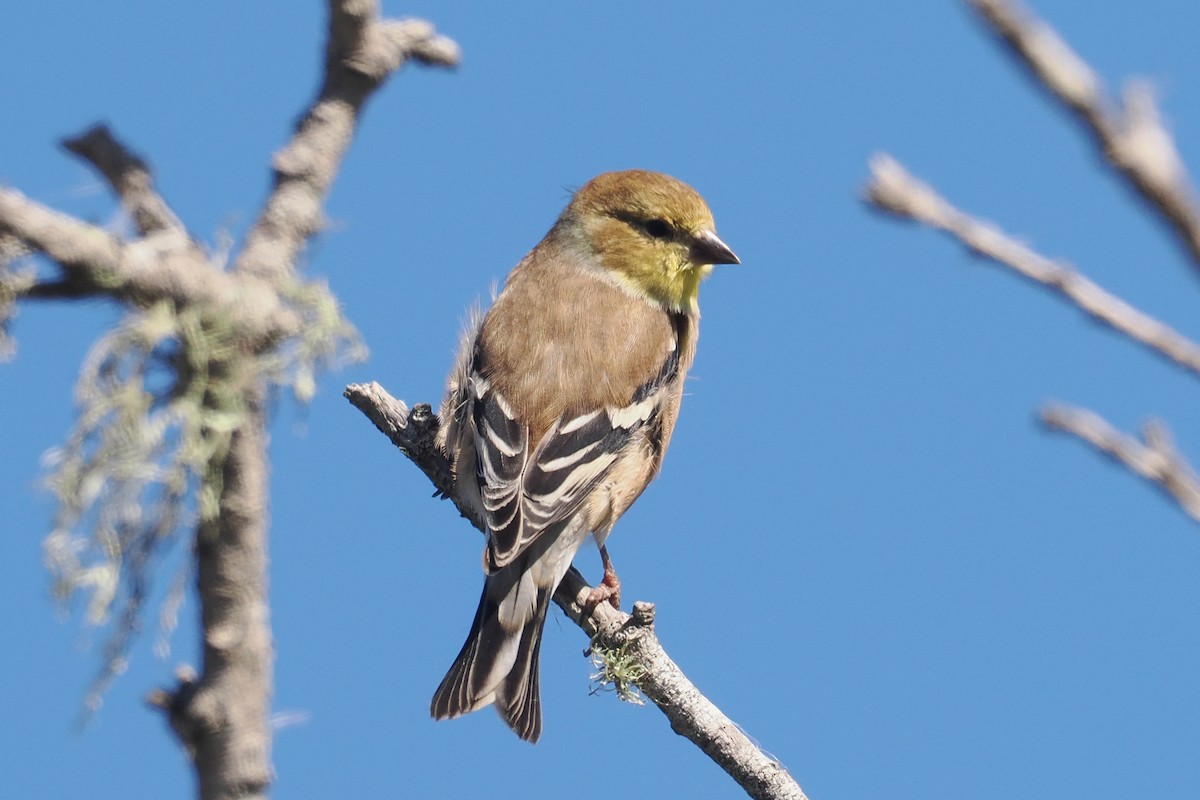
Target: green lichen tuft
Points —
{"points": [[618, 671]]}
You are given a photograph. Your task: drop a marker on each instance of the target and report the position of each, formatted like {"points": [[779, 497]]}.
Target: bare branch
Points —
{"points": [[1154, 458], [15, 284], [416, 39], [223, 718], [894, 190], [129, 177], [361, 53], [162, 266], [225, 338], [690, 713], [74, 244], [1131, 136], [65, 289], [175, 704], [413, 431]]}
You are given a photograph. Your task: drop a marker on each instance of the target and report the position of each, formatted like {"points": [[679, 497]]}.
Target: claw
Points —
{"points": [[609, 588]]}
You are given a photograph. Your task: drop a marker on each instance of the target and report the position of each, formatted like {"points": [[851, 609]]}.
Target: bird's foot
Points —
{"points": [[609, 588]]}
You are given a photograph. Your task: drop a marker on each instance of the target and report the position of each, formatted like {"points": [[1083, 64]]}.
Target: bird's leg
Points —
{"points": [[609, 588]]}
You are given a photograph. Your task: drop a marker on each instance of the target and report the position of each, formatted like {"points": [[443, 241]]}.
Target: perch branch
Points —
{"points": [[689, 712], [413, 431], [894, 190], [1154, 458], [1129, 135]]}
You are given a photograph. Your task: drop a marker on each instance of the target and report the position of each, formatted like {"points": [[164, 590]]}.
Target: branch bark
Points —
{"points": [[894, 190], [1135, 144], [1154, 458], [129, 177], [221, 715], [689, 712], [1130, 136], [361, 53], [164, 265], [229, 707]]}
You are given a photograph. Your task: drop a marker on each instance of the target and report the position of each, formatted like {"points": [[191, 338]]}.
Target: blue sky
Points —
{"points": [[862, 546]]}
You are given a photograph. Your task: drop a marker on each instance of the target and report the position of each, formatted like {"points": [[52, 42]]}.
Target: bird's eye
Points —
{"points": [[657, 228]]}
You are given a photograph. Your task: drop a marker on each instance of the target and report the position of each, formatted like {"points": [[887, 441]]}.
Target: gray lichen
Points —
{"points": [[159, 397]]}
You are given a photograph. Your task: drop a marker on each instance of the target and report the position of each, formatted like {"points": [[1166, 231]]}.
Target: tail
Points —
{"points": [[499, 662]]}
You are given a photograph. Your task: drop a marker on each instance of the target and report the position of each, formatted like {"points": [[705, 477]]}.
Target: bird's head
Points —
{"points": [[653, 233]]}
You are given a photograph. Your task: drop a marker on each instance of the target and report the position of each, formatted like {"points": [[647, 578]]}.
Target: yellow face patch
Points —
{"points": [[643, 226]]}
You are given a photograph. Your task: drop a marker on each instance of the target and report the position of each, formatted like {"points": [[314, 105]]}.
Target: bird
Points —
{"points": [[559, 409]]}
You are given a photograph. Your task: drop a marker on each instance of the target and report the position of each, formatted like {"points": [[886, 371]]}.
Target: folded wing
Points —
{"points": [[523, 492]]}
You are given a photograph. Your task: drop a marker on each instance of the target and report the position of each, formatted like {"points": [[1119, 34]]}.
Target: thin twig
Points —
{"points": [[690, 713], [894, 190], [129, 177], [1129, 135], [412, 430], [1154, 458]]}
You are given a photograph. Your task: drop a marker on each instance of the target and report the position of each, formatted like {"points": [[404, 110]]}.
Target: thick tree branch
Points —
{"points": [[689, 712], [76, 245], [1154, 458], [894, 190], [228, 328], [165, 265], [129, 177], [1130, 136], [361, 53], [223, 716], [65, 289]]}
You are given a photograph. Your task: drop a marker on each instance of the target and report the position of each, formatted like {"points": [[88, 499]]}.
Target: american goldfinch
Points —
{"points": [[560, 407]]}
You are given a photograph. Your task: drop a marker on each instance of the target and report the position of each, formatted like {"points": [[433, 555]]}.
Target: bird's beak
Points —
{"points": [[707, 248]]}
